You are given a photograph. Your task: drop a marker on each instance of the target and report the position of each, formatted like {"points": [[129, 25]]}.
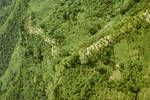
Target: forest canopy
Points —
{"points": [[74, 49]]}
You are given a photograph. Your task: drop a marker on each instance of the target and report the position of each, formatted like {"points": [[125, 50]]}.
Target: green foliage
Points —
{"points": [[30, 71]]}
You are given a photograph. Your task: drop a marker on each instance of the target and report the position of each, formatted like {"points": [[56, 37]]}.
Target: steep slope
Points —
{"points": [[75, 50], [10, 31]]}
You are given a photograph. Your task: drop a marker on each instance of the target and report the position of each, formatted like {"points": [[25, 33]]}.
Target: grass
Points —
{"points": [[39, 70]]}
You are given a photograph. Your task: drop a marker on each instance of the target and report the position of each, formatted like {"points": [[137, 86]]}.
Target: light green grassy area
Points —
{"points": [[75, 50]]}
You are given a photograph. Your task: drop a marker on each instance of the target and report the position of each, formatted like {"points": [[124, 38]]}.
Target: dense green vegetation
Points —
{"points": [[74, 49], [9, 36]]}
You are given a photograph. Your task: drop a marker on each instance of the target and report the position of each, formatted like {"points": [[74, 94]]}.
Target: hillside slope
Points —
{"points": [[75, 50]]}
